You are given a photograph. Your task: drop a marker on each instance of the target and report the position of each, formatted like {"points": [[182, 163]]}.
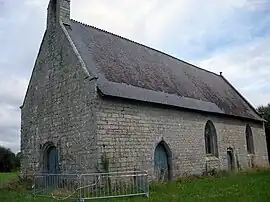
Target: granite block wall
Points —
{"points": [[58, 107], [129, 132]]}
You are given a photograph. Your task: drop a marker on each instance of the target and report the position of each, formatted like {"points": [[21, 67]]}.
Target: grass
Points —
{"points": [[241, 187], [5, 178]]}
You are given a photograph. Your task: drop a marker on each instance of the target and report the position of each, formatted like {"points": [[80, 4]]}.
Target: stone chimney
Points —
{"points": [[58, 11]]}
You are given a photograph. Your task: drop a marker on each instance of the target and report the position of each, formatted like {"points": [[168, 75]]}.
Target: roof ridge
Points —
{"points": [[174, 57]]}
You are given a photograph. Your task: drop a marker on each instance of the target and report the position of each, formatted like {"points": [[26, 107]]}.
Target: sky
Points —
{"points": [[231, 36]]}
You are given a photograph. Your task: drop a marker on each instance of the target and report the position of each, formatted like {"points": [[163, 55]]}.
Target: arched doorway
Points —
{"points": [[162, 162], [51, 159], [231, 160]]}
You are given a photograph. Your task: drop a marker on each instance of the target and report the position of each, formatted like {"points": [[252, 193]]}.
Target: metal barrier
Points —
{"points": [[59, 186], [92, 186]]}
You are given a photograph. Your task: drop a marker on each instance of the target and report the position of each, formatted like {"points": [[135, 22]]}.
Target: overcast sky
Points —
{"points": [[231, 36]]}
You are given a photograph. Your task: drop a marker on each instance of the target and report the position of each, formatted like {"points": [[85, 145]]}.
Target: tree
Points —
{"points": [[8, 160], [264, 111], [18, 159]]}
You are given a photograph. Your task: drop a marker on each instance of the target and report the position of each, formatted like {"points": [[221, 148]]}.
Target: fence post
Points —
{"points": [[147, 181], [80, 188]]}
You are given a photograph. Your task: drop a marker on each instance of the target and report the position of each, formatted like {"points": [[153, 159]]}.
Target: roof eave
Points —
{"points": [[121, 90]]}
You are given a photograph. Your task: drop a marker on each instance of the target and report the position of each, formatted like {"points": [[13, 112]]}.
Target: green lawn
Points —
{"points": [[6, 178], [241, 187]]}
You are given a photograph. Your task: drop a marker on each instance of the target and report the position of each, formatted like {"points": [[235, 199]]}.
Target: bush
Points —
{"points": [[257, 169], [8, 160], [21, 184]]}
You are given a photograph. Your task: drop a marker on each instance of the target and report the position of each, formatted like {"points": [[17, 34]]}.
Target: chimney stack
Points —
{"points": [[58, 11]]}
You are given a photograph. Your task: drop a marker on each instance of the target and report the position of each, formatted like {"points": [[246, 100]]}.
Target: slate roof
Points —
{"points": [[131, 70]]}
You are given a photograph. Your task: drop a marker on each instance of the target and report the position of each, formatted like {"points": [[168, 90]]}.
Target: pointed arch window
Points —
{"points": [[210, 137], [249, 140]]}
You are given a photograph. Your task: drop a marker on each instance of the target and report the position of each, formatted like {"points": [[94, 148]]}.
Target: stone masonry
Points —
{"points": [[63, 107], [130, 132], [58, 106]]}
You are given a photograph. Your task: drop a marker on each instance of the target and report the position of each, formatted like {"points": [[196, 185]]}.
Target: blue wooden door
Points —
{"points": [[52, 165], [161, 163]]}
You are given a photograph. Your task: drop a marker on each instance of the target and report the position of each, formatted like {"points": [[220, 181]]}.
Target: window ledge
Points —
{"points": [[211, 158]]}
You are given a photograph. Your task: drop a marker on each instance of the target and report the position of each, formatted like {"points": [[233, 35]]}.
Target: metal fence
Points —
{"points": [[92, 186]]}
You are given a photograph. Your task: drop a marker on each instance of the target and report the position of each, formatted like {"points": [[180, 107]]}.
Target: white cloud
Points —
{"points": [[12, 90], [247, 67], [126, 18], [21, 28], [149, 21]]}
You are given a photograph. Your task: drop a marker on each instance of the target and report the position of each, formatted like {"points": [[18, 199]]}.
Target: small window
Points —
{"points": [[210, 136], [249, 140]]}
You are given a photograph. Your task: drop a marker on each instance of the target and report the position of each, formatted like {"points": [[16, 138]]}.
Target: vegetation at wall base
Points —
{"points": [[247, 186]]}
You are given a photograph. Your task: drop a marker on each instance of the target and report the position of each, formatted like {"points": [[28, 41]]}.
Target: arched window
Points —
{"points": [[249, 140], [210, 137]]}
